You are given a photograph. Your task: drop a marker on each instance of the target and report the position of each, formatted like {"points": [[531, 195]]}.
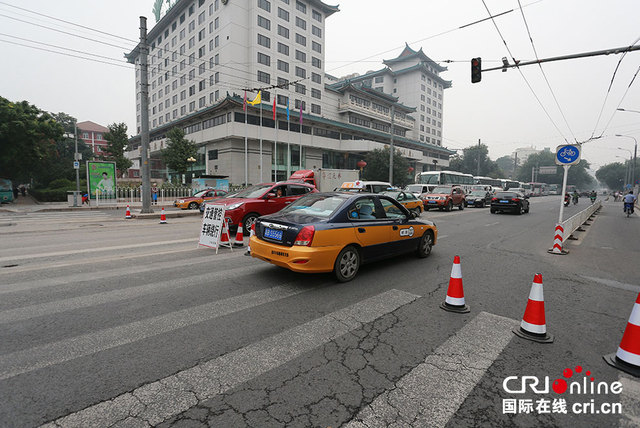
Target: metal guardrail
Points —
{"points": [[132, 194], [570, 225]]}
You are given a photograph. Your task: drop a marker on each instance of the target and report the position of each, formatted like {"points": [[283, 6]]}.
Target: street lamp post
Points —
{"points": [[626, 172], [635, 151], [191, 160]]}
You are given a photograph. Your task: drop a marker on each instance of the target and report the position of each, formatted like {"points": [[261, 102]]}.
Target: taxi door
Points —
{"points": [[372, 227], [402, 235]]}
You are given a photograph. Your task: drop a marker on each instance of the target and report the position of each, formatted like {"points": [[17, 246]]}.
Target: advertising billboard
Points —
{"points": [[101, 176]]}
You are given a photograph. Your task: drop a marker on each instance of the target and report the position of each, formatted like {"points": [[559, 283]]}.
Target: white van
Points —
{"points": [[418, 189]]}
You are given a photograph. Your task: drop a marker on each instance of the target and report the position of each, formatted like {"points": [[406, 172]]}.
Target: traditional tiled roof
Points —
{"points": [[91, 126], [409, 53], [345, 85]]}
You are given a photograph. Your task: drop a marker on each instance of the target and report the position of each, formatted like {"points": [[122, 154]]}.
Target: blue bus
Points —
{"points": [[6, 190]]}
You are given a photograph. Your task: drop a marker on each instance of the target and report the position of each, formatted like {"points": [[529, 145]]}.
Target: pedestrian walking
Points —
{"points": [[154, 194]]}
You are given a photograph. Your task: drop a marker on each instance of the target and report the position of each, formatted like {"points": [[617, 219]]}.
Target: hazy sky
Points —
{"points": [[502, 110]]}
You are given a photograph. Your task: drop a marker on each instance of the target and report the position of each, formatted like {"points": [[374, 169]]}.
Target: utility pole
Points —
{"points": [[391, 149], [77, 159], [478, 172], [144, 119], [515, 166]]}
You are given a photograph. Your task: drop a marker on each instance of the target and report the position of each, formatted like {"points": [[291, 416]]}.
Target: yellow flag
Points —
{"points": [[257, 99]]}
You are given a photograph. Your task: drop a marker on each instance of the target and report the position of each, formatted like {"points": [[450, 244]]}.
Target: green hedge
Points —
{"points": [[49, 195]]}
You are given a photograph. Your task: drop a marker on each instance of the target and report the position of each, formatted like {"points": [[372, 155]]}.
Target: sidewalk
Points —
{"points": [[27, 204]]}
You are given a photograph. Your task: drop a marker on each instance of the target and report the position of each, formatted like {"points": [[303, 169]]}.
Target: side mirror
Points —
{"points": [[270, 196]]}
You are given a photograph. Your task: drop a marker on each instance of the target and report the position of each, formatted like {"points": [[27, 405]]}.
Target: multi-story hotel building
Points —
{"points": [[204, 55], [93, 136]]}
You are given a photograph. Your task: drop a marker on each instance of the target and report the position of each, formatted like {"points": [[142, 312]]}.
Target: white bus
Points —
{"points": [[446, 178]]}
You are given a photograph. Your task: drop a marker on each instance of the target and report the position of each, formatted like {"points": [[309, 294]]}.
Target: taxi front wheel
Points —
{"points": [[347, 264], [424, 247]]}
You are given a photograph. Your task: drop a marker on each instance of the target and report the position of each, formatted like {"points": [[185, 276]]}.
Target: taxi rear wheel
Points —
{"points": [[193, 206], [347, 264], [425, 245]]}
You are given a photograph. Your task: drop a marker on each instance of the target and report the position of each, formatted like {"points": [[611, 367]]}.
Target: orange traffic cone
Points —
{"points": [[163, 218], [627, 358], [533, 326], [224, 236], [455, 294], [239, 242], [127, 213], [251, 233]]}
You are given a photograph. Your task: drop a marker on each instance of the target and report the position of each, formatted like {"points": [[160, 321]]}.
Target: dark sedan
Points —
{"points": [[478, 198], [510, 201]]}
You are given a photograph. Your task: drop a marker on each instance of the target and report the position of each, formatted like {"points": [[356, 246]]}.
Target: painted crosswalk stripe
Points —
{"points": [[158, 401], [122, 294], [430, 394], [114, 273], [27, 360]]}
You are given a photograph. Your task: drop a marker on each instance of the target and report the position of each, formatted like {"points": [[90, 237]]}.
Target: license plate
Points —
{"points": [[273, 234], [504, 202], [470, 202], [432, 202]]}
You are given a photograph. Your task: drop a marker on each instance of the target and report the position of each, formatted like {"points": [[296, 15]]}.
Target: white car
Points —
{"points": [[418, 189]]}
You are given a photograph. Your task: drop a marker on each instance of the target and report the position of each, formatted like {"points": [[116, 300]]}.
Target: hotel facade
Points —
{"points": [[205, 55]]}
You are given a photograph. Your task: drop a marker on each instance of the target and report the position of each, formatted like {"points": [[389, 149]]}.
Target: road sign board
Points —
{"points": [[568, 154], [76, 165], [546, 170]]}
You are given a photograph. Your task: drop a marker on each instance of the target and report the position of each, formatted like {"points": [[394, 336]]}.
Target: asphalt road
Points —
{"points": [[114, 322]]}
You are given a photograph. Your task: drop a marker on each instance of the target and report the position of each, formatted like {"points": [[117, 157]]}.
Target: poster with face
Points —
{"points": [[101, 176]]}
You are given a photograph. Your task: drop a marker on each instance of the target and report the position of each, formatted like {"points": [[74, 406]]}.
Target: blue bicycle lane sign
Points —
{"points": [[568, 154]]}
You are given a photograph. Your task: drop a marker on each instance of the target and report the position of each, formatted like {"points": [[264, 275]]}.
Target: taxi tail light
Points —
{"points": [[494, 199], [515, 199], [305, 236]]}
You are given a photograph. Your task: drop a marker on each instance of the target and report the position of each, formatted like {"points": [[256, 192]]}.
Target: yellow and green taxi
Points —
{"points": [[339, 231]]}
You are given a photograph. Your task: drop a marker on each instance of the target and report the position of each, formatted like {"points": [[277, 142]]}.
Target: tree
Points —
{"points": [[378, 167], [612, 175], [506, 164], [577, 176], [28, 138], [117, 141], [178, 150], [471, 156]]}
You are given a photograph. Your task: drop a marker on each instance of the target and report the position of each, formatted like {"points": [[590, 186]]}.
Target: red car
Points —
{"points": [[266, 198]]}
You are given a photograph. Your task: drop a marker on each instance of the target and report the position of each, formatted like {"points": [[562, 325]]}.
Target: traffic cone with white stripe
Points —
{"points": [[627, 358], [533, 325], [127, 213], [163, 218], [252, 232], [239, 242], [454, 301], [224, 236]]}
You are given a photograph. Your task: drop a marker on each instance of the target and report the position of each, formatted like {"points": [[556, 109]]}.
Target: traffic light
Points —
{"points": [[476, 70]]}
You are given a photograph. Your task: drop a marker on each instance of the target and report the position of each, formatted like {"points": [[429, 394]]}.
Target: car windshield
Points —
{"points": [[506, 195], [394, 195], [441, 190], [414, 188], [253, 191], [317, 205], [480, 193], [200, 194]]}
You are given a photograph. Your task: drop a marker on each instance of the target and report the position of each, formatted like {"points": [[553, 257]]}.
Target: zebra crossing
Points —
{"points": [[225, 340]]}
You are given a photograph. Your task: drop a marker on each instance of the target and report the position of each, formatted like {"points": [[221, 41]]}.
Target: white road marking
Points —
{"points": [[492, 224], [614, 284], [96, 250], [432, 392], [158, 401], [27, 360]]}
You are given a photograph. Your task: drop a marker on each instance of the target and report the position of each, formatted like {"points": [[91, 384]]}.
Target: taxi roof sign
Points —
{"points": [[352, 185]]}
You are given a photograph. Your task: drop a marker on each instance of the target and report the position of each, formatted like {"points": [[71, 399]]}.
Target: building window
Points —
{"points": [[264, 77], [283, 66], [316, 31], [301, 23], [202, 102], [263, 22], [283, 31], [283, 14], [282, 100], [264, 59], [316, 47], [301, 6], [264, 41], [192, 26], [316, 62], [316, 93], [216, 23], [264, 4], [192, 90], [301, 56], [315, 109], [201, 18], [283, 49], [301, 72], [201, 35], [316, 15], [300, 104], [301, 89], [213, 154], [201, 52], [283, 83], [300, 39], [315, 77], [202, 85], [192, 106]]}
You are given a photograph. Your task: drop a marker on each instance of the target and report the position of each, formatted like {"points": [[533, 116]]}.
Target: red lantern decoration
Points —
{"points": [[410, 169], [361, 164]]}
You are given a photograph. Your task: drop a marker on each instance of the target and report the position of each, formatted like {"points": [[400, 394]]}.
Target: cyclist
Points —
{"points": [[629, 200]]}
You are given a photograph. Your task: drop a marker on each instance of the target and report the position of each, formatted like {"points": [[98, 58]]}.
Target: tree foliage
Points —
{"points": [[468, 162], [612, 175], [178, 150], [28, 139], [117, 141], [578, 174], [506, 164], [378, 167]]}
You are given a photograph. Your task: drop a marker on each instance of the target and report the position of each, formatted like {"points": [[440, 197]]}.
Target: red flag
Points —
{"points": [[244, 105], [274, 107], [300, 112]]}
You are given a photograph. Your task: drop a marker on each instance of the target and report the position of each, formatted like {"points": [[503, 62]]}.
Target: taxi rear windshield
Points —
{"points": [[322, 206]]}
